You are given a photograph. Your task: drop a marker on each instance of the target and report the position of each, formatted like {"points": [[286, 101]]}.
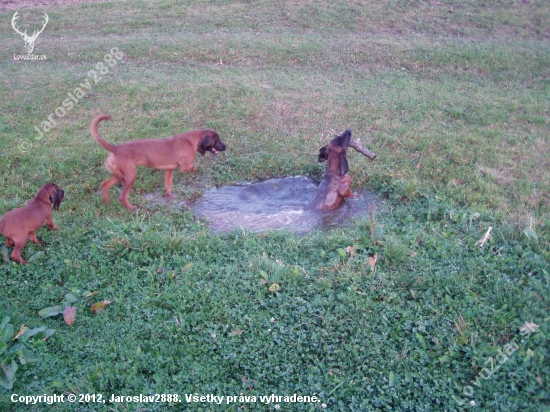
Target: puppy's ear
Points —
{"points": [[323, 154], [343, 163], [207, 142], [346, 136], [56, 196]]}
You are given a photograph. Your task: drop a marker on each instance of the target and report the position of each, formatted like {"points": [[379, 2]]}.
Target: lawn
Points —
{"points": [[453, 97]]}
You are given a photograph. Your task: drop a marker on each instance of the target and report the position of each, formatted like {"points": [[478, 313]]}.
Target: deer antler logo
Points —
{"points": [[29, 40]]}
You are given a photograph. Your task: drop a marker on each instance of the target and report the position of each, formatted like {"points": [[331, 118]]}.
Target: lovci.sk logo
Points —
{"points": [[29, 40]]}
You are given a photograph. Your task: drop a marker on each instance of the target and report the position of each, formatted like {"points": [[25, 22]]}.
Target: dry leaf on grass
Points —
{"points": [[351, 251], [372, 260], [69, 315], [100, 306], [530, 326], [21, 330]]}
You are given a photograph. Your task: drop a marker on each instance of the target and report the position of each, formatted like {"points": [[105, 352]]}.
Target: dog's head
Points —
{"points": [[210, 142], [336, 151], [52, 192]]}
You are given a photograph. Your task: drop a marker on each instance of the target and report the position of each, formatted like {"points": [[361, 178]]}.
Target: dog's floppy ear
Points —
{"points": [[56, 196], [345, 138], [343, 163], [206, 142], [323, 154]]}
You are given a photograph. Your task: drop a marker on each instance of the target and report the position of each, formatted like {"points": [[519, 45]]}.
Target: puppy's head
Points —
{"points": [[53, 193], [337, 148], [210, 142], [323, 154]]}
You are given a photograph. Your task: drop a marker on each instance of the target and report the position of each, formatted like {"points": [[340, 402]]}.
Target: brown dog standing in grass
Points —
{"points": [[336, 182], [19, 224], [162, 154]]}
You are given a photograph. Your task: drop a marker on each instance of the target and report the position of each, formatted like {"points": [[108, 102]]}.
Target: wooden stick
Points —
{"points": [[356, 144]]}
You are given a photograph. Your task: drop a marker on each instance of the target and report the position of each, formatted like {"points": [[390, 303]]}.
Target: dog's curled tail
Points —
{"points": [[95, 134]]}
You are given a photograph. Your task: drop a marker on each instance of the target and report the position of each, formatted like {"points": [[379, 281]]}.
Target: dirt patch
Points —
{"points": [[10, 5]]}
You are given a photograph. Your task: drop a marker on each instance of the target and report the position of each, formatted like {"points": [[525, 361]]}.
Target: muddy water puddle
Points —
{"points": [[275, 204]]}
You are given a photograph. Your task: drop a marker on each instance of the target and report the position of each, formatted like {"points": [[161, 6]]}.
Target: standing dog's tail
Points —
{"points": [[95, 134]]}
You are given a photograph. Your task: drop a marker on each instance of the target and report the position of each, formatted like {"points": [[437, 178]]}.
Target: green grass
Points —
{"points": [[453, 98]]}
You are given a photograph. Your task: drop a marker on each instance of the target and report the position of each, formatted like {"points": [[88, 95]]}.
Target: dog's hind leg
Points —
{"points": [[106, 185], [16, 253], [127, 184]]}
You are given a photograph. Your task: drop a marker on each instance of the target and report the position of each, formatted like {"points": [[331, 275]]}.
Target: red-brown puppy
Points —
{"points": [[19, 224], [162, 154], [336, 182]]}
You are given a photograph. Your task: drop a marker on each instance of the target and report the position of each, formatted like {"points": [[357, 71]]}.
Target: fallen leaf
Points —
{"points": [[274, 288], [51, 311], [530, 326], [372, 260], [100, 306], [236, 332], [70, 298], [351, 251], [69, 315], [21, 330], [264, 275]]}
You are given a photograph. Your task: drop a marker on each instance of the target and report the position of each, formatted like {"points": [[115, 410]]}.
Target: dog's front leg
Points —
{"points": [[344, 186], [168, 184], [33, 238], [51, 225], [188, 168]]}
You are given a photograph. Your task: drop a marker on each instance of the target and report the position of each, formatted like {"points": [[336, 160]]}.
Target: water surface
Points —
{"points": [[274, 204]]}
